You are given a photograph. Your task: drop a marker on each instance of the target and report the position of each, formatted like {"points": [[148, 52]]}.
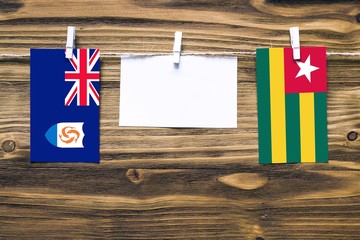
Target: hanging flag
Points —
{"points": [[64, 108], [292, 105]]}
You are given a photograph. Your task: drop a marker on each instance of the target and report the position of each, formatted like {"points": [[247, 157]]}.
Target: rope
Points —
{"points": [[127, 54]]}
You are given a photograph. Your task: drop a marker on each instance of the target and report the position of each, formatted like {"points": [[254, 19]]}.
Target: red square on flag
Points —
{"points": [[307, 74]]}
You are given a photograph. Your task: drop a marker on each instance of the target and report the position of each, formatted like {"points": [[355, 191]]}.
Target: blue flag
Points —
{"points": [[64, 108]]}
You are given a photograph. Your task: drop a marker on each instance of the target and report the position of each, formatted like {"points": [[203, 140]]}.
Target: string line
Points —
{"points": [[129, 54]]}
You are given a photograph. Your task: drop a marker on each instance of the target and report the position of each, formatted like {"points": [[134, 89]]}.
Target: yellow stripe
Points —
{"points": [[277, 105], [307, 127]]}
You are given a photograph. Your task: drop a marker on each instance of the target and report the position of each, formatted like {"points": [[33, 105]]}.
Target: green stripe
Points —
{"points": [[321, 139], [293, 153], [263, 96]]}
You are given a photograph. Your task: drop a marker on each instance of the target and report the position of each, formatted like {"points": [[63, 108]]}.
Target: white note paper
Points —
{"points": [[200, 92]]}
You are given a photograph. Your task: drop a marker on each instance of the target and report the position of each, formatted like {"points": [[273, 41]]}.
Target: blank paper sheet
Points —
{"points": [[200, 92]]}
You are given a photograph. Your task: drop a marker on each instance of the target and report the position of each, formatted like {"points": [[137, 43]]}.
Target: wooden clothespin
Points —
{"points": [[177, 47], [295, 42], [70, 42]]}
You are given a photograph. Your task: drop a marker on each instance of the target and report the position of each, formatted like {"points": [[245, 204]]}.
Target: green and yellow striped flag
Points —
{"points": [[292, 105]]}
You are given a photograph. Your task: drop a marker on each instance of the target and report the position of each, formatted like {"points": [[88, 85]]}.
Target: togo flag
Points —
{"points": [[292, 105], [64, 105]]}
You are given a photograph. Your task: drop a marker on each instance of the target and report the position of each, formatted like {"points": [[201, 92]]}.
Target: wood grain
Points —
{"points": [[166, 183]]}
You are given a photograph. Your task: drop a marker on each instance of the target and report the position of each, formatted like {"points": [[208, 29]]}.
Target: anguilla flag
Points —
{"points": [[292, 105], [64, 108]]}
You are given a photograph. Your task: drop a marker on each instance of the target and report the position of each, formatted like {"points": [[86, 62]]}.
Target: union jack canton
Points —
{"points": [[84, 71]]}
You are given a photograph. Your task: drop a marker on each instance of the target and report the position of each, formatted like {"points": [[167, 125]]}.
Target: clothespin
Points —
{"points": [[177, 47], [295, 42], [70, 42]]}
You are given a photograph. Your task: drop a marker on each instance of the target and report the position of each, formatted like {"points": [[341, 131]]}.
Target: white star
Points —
{"points": [[305, 69]]}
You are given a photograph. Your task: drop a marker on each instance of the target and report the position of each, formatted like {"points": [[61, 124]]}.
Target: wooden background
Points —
{"points": [[179, 183]]}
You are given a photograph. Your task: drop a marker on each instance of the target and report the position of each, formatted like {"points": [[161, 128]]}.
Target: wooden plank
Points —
{"points": [[48, 200], [179, 183], [149, 25]]}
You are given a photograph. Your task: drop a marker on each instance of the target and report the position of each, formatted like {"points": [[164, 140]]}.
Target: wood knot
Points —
{"points": [[135, 176], [245, 181], [259, 238], [352, 136], [8, 146], [358, 18]]}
